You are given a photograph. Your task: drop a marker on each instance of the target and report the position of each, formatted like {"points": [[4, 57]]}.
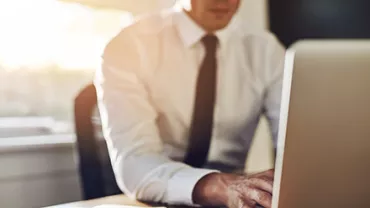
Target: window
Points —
{"points": [[49, 51]]}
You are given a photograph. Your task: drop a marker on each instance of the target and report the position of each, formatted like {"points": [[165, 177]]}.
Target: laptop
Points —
{"points": [[323, 157]]}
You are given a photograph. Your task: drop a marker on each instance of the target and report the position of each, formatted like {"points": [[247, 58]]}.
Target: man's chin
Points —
{"points": [[220, 26]]}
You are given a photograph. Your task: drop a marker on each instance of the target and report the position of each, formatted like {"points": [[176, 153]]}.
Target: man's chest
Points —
{"points": [[239, 91]]}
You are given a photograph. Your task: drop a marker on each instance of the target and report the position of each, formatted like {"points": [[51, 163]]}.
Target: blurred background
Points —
{"points": [[49, 50]]}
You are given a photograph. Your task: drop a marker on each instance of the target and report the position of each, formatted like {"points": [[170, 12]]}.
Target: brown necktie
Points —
{"points": [[202, 120]]}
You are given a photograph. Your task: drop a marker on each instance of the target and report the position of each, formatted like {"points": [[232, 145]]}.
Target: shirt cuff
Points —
{"points": [[181, 185]]}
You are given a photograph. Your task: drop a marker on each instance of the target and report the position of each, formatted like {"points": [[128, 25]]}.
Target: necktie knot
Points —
{"points": [[210, 42]]}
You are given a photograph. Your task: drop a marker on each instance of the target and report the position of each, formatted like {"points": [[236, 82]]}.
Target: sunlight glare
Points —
{"points": [[39, 33]]}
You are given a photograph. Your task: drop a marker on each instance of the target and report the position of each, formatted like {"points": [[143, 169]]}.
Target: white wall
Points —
{"points": [[45, 176], [254, 13]]}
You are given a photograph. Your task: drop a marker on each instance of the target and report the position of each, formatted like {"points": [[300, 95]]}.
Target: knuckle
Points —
{"points": [[240, 204], [263, 196], [254, 194], [259, 196], [254, 180]]}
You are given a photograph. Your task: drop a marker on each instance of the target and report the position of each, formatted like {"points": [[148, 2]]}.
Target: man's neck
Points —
{"points": [[198, 22]]}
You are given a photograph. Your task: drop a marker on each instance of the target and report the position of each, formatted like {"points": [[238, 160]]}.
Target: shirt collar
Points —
{"points": [[191, 33]]}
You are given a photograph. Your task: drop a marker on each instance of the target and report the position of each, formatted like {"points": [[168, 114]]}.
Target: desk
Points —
{"points": [[118, 199]]}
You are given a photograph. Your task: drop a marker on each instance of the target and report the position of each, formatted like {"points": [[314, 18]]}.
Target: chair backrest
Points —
{"points": [[96, 174]]}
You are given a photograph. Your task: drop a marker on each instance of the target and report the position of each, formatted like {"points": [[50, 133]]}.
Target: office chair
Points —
{"points": [[95, 169]]}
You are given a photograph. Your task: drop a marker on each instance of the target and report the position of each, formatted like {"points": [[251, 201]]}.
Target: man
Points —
{"points": [[180, 95]]}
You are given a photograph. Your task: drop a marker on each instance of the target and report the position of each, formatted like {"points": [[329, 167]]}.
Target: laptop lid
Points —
{"points": [[323, 157]]}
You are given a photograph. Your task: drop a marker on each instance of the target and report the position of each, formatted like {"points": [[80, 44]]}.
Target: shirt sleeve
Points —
{"points": [[141, 168], [275, 67]]}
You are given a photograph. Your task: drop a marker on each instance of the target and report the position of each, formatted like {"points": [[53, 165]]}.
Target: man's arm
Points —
{"points": [[129, 125], [275, 67]]}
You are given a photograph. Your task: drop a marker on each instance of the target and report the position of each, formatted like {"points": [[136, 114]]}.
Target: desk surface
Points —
{"points": [[118, 199]]}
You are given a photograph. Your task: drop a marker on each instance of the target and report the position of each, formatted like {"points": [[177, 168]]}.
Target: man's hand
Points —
{"points": [[235, 191], [247, 192]]}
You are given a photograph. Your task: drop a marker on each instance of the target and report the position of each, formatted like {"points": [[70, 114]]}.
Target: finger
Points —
{"points": [[248, 204], [262, 184], [269, 173], [260, 197], [241, 203]]}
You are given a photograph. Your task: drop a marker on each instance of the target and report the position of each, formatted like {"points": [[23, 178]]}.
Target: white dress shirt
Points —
{"points": [[146, 91]]}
